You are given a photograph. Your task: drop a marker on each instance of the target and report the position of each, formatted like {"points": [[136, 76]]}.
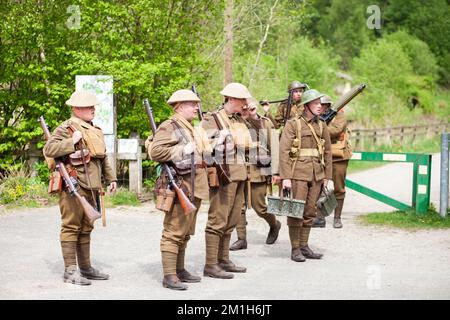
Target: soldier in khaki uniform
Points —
{"points": [[226, 200], [175, 140], [76, 230], [342, 153], [306, 170], [261, 129], [297, 89]]}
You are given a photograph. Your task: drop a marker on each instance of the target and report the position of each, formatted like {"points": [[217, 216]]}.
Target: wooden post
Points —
{"points": [[357, 139], [401, 135], [33, 157], [135, 168]]}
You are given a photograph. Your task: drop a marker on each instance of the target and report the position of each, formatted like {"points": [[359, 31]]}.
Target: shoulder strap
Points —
{"points": [[299, 132], [179, 130], [315, 135]]}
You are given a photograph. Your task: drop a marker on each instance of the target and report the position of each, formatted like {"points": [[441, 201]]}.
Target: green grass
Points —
{"points": [[356, 166], [408, 220], [122, 197]]}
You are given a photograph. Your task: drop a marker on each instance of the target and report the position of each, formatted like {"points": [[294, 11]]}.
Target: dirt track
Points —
{"points": [[360, 262]]}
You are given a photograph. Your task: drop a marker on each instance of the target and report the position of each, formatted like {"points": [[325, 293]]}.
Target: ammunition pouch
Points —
{"points": [[93, 137], [213, 178], [182, 167], [76, 158], [337, 149], [56, 183], [295, 151], [165, 199], [261, 160]]}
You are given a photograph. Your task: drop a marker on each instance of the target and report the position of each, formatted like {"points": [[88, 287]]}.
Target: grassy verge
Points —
{"points": [[19, 189], [408, 220], [122, 197]]}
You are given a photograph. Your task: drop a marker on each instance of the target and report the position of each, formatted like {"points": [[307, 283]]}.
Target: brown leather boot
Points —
{"points": [[73, 276], [186, 276], [215, 271], [171, 281], [94, 274], [309, 254], [337, 214], [240, 244], [231, 267], [296, 255], [304, 248], [273, 233]]}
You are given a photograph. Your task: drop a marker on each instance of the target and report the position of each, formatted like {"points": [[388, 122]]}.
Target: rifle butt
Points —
{"points": [[187, 205], [89, 211]]}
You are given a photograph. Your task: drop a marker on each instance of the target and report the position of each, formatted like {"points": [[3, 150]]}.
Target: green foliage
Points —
{"points": [[409, 220], [346, 35], [122, 197], [17, 188], [428, 20], [422, 59], [386, 70], [42, 170]]}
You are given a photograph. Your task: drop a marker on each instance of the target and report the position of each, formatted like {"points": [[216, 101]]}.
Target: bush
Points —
{"points": [[420, 56], [18, 188]]}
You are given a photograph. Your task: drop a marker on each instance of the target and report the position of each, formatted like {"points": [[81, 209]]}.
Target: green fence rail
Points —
{"points": [[421, 179]]}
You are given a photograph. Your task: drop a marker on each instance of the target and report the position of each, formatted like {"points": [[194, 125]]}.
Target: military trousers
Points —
{"points": [[224, 212], [178, 227], [308, 191], [258, 192], [75, 224], [339, 174]]}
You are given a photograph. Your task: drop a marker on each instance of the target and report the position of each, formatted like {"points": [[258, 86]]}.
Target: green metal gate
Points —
{"points": [[421, 179]]}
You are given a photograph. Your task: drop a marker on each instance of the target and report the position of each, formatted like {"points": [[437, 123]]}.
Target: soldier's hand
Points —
{"points": [[77, 135], [287, 184], [189, 149], [276, 180], [266, 106], [223, 135], [112, 187], [325, 183]]}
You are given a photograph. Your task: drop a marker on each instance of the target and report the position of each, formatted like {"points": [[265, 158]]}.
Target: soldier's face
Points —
{"points": [[188, 110], [236, 104], [84, 113], [315, 107], [297, 94], [325, 107]]}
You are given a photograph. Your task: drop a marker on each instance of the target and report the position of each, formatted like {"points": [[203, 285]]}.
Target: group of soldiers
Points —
{"points": [[300, 154]]}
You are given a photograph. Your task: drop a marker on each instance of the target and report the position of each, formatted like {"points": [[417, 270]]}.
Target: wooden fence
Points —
{"points": [[361, 138]]}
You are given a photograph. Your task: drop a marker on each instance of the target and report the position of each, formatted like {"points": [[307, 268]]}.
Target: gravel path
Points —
{"points": [[360, 262]]}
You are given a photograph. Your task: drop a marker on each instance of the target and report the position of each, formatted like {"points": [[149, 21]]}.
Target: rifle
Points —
{"points": [[200, 112], [70, 182], [261, 102], [287, 114], [187, 205], [328, 115]]}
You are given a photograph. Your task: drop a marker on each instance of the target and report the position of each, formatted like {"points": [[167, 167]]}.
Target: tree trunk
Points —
{"points": [[228, 50]]}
